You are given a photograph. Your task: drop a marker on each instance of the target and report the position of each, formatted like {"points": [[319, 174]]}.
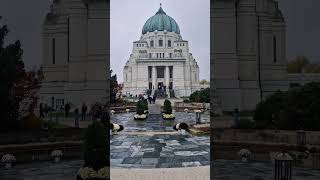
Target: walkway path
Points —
{"points": [[154, 109], [198, 173], [159, 151]]}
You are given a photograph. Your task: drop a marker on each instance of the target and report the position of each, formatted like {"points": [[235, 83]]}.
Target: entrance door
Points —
{"points": [[160, 85]]}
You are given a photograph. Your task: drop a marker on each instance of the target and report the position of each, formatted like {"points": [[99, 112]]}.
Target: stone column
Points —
{"points": [[154, 86], [167, 76]]}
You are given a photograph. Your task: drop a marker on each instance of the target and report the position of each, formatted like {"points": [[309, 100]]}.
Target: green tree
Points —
{"points": [[297, 108], [298, 64], [96, 153], [202, 95], [204, 81], [11, 70], [301, 64], [113, 87]]}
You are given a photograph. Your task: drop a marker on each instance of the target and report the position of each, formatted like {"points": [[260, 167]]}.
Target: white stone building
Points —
{"points": [[248, 52], [161, 60], [76, 53]]}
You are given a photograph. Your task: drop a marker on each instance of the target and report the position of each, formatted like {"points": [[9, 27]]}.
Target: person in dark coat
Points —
{"points": [[84, 109], [46, 110], [41, 111], [76, 118], [67, 109]]}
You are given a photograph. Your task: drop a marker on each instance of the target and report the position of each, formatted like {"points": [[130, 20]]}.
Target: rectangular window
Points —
{"points": [[160, 43], [149, 55], [157, 55], [162, 55], [170, 55], [160, 72], [151, 43], [169, 43], [274, 49], [170, 71], [150, 85], [150, 71], [53, 51]]}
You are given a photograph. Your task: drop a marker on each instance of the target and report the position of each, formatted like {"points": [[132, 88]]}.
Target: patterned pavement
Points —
{"points": [[159, 151]]}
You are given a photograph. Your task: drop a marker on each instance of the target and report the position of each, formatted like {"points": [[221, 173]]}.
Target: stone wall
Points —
{"points": [[266, 136]]}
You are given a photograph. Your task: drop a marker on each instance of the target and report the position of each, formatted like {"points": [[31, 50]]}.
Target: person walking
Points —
{"points": [[154, 99], [67, 109], [84, 109], [41, 111], [76, 118]]}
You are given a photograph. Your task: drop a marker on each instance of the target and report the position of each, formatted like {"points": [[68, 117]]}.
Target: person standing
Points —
{"points": [[67, 109], [76, 118], [46, 110], [41, 111], [84, 109]]}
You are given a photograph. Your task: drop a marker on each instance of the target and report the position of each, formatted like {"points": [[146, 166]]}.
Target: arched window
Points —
{"points": [[274, 49]]}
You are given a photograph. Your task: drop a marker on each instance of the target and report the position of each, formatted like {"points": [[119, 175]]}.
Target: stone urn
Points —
{"points": [[183, 132], [244, 159], [57, 159]]}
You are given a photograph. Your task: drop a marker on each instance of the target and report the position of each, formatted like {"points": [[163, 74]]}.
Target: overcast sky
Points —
{"points": [[128, 18], [25, 18]]}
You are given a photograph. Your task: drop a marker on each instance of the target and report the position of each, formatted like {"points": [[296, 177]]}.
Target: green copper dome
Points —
{"points": [[160, 22]]}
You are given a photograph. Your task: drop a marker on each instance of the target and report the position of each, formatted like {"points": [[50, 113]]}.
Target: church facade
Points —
{"points": [[248, 56], [161, 60], [76, 53], [248, 52]]}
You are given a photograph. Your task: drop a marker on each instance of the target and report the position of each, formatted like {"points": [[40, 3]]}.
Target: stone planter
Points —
{"points": [[244, 159], [140, 117], [8, 165], [168, 116], [57, 159], [183, 132]]}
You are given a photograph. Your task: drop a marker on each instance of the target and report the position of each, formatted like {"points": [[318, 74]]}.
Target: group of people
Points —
{"points": [[151, 99], [96, 111]]}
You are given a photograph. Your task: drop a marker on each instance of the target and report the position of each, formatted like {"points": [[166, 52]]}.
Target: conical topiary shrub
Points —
{"points": [[141, 107], [96, 153], [167, 110]]}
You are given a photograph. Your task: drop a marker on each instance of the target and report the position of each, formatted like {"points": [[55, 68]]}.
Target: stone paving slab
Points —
{"points": [[159, 151]]}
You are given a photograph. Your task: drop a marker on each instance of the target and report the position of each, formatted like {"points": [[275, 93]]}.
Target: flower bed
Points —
{"points": [[90, 174], [140, 116], [168, 116]]}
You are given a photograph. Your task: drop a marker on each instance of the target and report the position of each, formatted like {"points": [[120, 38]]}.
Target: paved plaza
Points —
{"points": [[154, 122], [159, 151]]}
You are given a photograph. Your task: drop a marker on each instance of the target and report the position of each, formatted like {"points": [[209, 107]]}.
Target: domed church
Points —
{"points": [[160, 63]]}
